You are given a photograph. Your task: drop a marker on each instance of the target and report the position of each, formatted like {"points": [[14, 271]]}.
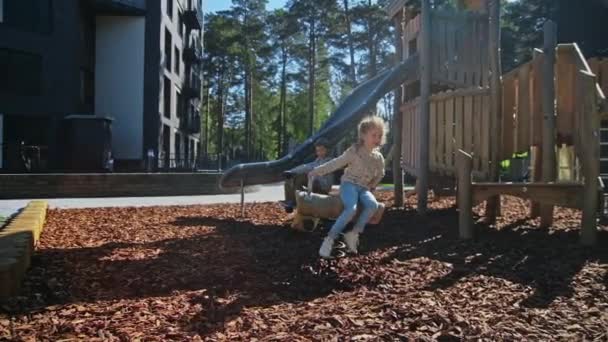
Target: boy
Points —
{"points": [[297, 177]]}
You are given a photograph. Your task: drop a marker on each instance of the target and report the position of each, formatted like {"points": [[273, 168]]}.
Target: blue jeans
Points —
{"points": [[351, 194]]}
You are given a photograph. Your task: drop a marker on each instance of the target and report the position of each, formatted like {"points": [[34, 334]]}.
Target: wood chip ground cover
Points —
{"points": [[204, 273]]}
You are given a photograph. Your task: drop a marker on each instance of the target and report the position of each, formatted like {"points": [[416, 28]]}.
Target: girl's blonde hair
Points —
{"points": [[367, 124]]}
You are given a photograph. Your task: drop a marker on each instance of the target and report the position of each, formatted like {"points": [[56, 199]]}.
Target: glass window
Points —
{"points": [[20, 72], [27, 15], [169, 8], [177, 60], [168, 46], [167, 97]]}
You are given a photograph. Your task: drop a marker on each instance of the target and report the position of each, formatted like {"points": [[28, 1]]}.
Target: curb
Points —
{"points": [[17, 241]]}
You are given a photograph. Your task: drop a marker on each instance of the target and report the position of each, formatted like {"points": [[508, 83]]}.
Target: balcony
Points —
{"points": [[193, 18], [190, 123], [192, 86], [192, 55], [119, 7]]}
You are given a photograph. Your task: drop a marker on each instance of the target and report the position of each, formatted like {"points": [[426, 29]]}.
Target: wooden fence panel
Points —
{"points": [[523, 108], [440, 148], [564, 88], [459, 122], [536, 102], [508, 122], [433, 150], [486, 126], [449, 134]]}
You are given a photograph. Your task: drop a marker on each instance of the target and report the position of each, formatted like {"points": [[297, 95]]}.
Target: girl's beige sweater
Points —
{"points": [[363, 167]]}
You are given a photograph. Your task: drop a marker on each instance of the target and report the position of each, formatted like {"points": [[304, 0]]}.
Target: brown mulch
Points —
{"points": [[204, 273]]}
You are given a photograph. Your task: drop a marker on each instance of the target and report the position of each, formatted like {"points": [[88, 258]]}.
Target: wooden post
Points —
{"points": [[591, 156], [424, 112], [548, 102], [398, 121], [464, 164], [242, 197], [493, 6]]}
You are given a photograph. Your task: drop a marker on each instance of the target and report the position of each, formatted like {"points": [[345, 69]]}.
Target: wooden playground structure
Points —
{"points": [[462, 116]]}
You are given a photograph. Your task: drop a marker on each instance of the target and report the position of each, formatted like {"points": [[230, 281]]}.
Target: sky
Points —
{"points": [[218, 5]]}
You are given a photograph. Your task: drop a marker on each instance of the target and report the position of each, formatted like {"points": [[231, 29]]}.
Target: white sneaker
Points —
{"points": [[352, 241], [326, 246]]}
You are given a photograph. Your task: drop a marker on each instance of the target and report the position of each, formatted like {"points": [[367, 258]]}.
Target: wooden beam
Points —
{"points": [[493, 204], [425, 93], [398, 123], [591, 142], [464, 164], [548, 105], [561, 194]]}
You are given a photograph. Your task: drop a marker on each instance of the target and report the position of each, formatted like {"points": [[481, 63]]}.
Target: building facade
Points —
{"points": [[135, 61]]}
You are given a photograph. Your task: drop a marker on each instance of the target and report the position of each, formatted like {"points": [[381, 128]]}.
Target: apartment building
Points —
{"points": [[135, 61]]}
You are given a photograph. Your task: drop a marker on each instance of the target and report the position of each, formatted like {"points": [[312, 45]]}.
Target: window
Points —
{"points": [[168, 46], [178, 105], [20, 72], [167, 97], [27, 15], [177, 61], [180, 23], [169, 8]]}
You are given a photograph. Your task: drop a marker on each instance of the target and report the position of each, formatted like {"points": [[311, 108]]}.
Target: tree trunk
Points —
{"points": [[371, 46], [312, 50], [282, 125], [247, 115], [220, 113], [206, 125], [351, 45]]}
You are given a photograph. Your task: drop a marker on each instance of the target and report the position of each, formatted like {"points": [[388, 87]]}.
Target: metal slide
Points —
{"points": [[344, 119]]}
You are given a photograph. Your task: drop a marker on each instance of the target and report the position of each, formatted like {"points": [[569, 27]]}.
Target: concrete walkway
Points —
{"points": [[267, 193]]}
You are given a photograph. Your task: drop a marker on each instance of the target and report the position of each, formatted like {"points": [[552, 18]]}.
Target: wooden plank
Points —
{"points": [[465, 195], [477, 136], [434, 151], [449, 134], [468, 124], [561, 194], [548, 110], [475, 55], [452, 56], [485, 60], [537, 107], [460, 92], [426, 55], [508, 124], [523, 109], [440, 147], [486, 143], [459, 122], [590, 137], [565, 97]]}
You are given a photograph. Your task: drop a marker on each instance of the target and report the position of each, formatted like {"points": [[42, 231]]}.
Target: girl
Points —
{"points": [[364, 170]]}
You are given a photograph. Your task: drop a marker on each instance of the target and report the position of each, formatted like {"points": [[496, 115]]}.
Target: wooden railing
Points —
{"points": [[460, 119], [599, 66], [460, 48]]}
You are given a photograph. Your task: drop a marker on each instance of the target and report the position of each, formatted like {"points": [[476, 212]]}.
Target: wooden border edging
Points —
{"points": [[17, 242]]}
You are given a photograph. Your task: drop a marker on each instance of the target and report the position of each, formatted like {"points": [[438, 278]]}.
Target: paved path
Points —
{"points": [[267, 193]]}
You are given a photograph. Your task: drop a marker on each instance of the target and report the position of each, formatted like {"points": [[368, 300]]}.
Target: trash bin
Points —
{"points": [[88, 143]]}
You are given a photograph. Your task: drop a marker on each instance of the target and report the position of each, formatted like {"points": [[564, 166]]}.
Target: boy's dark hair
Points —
{"points": [[322, 142]]}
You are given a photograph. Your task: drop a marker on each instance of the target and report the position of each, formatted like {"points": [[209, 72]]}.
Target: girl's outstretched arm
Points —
{"points": [[334, 164]]}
